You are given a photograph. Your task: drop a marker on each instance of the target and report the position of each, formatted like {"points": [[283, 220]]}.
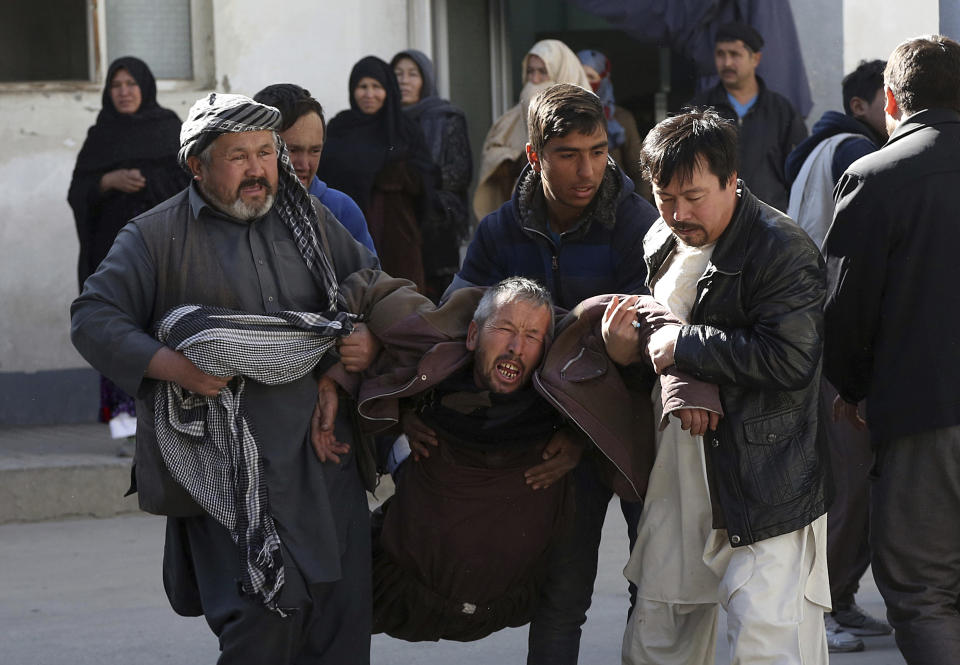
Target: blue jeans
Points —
{"points": [[554, 637]]}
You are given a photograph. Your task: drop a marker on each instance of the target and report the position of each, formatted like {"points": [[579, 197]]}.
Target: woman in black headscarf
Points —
{"points": [[127, 165], [444, 125], [378, 156]]}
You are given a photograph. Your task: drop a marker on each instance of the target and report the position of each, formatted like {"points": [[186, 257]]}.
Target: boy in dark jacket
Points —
{"points": [[575, 224]]}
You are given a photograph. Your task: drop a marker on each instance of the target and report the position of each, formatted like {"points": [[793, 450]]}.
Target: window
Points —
{"points": [[44, 41], [72, 42], [156, 32]]}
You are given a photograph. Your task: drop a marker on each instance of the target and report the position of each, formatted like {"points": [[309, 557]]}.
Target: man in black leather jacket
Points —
{"points": [[750, 285]]}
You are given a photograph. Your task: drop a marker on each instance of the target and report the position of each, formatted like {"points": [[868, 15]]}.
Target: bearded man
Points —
{"points": [[276, 583]]}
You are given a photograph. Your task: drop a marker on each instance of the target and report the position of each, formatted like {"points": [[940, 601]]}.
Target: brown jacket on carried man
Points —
{"points": [[458, 554]]}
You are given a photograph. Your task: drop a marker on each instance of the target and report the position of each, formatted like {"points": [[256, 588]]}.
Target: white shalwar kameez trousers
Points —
{"points": [[774, 591]]}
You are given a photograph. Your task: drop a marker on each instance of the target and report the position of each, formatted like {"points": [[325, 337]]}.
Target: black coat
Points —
{"points": [[893, 309], [756, 330], [769, 131], [147, 140]]}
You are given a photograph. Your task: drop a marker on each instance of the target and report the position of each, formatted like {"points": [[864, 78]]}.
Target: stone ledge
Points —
{"points": [[44, 492]]}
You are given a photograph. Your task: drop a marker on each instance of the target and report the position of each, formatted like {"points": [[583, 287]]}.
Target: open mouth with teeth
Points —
{"points": [[509, 371]]}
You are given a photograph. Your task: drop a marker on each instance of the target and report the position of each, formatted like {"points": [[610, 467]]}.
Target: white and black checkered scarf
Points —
{"points": [[217, 114], [208, 444]]}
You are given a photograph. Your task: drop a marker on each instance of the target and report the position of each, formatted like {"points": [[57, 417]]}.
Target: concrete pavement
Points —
{"points": [[88, 591]]}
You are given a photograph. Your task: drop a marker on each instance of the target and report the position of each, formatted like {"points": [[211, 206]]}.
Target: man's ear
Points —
{"points": [[757, 57], [857, 107], [533, 158], [473, 331], [193, 162], [891, 108]]}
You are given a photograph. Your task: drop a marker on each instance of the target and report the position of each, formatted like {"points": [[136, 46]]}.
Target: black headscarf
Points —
{"points": [[147, 140], [432, 110], [448, 221], [150, 133], [358, 145]]}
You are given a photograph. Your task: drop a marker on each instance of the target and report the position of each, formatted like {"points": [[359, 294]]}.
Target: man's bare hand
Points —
{"points": [[169, 365], [358, 349], [561, 454], [661, 346], [620, 336], [124, 180], [325, 444], [697, 421], [844, 410], [419, 436]]}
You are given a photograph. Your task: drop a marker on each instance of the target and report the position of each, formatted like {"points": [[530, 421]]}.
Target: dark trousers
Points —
{"points": [[915, 537], [329, 623], [848, 522], [554, 637]]}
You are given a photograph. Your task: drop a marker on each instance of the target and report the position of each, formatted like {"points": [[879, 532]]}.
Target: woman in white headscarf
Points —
{"points": [[550, 61]]}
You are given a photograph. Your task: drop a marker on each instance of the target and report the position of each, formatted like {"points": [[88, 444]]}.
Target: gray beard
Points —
{"points": [[238, 209]]}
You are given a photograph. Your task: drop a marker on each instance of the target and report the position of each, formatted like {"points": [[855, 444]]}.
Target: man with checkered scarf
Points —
{"points": [[216, 309]]}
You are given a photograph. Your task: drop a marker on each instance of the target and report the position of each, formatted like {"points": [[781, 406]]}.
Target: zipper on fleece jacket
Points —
{"points": [[556, 292]]}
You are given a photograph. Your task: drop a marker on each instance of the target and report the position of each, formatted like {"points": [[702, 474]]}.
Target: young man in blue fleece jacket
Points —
{"points": [[575, 224]]}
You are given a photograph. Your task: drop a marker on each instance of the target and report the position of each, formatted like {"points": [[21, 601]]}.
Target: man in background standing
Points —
{"points": [[304, 129], [768, 124], [838, 140], [892, 315]]}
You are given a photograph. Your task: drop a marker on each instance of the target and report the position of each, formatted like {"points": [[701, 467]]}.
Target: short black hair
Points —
{"points": [[863, 82], [561, 109], [292, 101], [739, 31], [675, 146], [924, 73]]}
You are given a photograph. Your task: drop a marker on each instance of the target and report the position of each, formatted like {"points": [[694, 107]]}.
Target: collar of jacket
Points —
{"points": [[531, 208], [718, 96], [921, 119], [731, 250]]}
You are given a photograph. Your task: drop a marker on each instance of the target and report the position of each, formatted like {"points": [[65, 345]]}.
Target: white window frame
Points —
{"points": [[201, 38]]}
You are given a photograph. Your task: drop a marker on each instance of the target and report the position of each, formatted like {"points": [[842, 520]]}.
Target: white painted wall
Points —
{"points": [[42, 134], [820, 29], [872, 29], [312, 43], [315, 44]]}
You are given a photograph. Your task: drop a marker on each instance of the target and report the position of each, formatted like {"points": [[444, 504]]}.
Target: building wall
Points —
{"points": [[820, 29], [873, 29], [950, 18], [315, 44]]}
